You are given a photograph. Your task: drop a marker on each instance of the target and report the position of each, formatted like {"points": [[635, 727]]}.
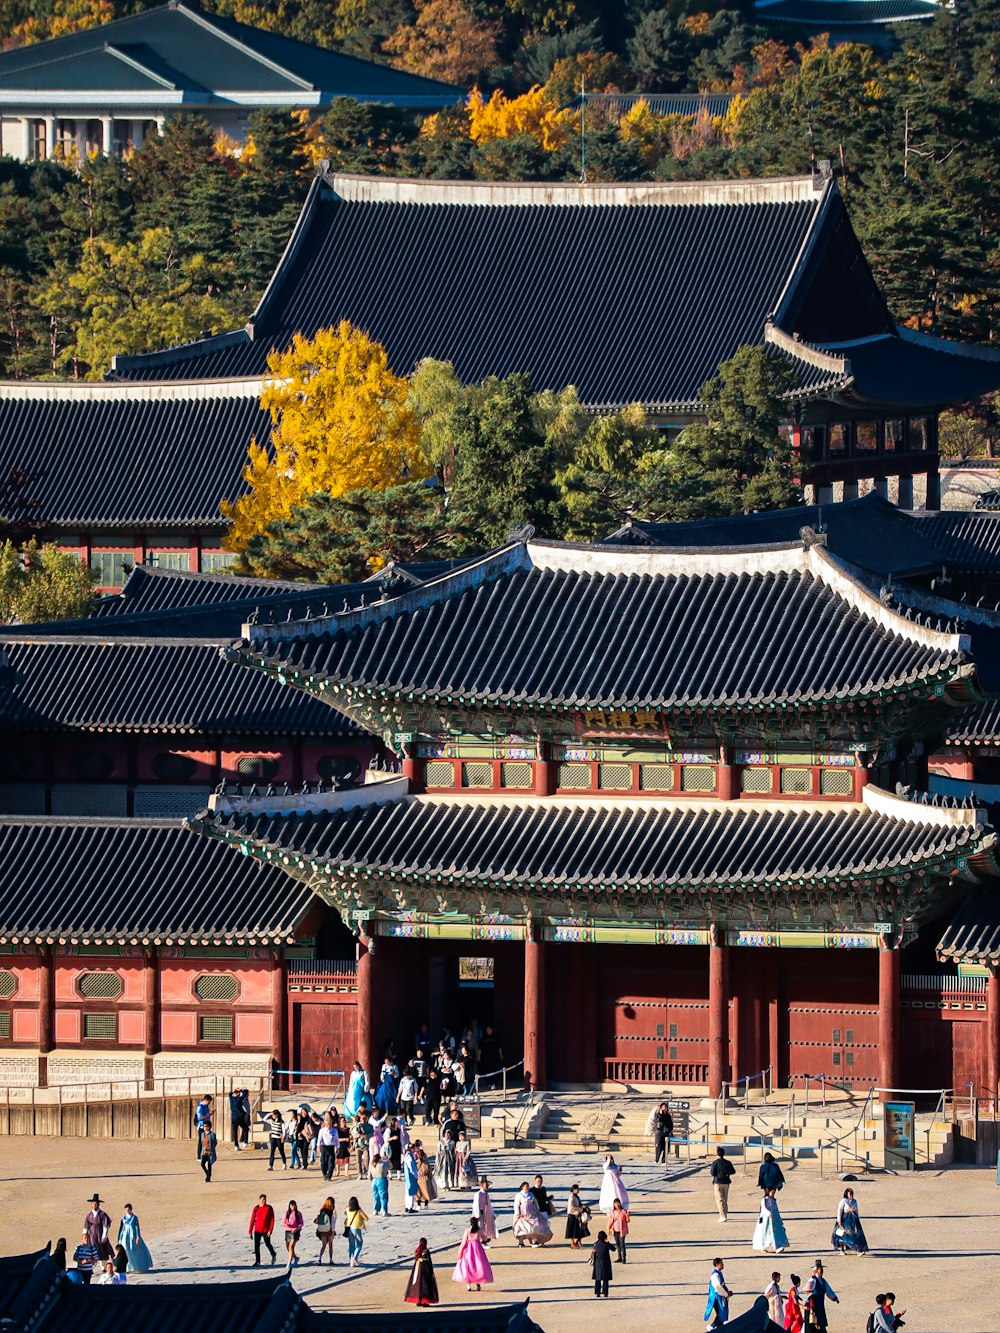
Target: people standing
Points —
{"points": [[329, 1142], [530, 1223], [612, 1186], [394, 1142], [884, 1319], [303, 1132], [426, 1187], [356, 1090], [466, 1175], [294, 1222], [129, 1235], [576, 1211], [326, 1227], [769, 1235], [663, 1130], [260, 1228], [848, 1233], [209, 1150], [411, 1181], [482, 1210], [794, 1305], [546, 1204], [444, 1166], [361, 1133], [246, 1117], [407, 1094], [818, 1292], [343, 1148], [235, 1116], [276, 1139], [473, 1267], [717, 1305], [58, 1255], [422, 1289], [203, 1113], [775, 1300], [97, 1225], [618, 1225], [600, 1264], [354, 1229], [86, 1256], [379, 1173], [769, 1177], [432, 1098], [722, 1173]]}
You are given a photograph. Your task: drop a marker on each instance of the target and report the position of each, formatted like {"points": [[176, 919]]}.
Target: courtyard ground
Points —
{"points": [[935, 1236]]}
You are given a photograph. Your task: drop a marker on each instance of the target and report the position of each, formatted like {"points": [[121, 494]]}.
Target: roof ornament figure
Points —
{"points": [[903, 792], [811, 537], [221, 788], [521, 534], [285, 788], [270, 789], [253, 791], [253, 616], [345, 608]]}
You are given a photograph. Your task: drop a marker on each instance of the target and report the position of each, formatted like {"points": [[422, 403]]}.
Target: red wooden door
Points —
{"points": [[325, 1038]]}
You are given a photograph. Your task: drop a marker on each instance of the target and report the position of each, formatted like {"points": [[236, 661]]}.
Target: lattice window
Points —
{"points": [[100, 1027], [698, 777], [215, 1027], [439, 774], [796, 781], [656, 777], [4, 1025], [216, 988], [515, 775], [755, 780], [574, 777], [614, 777], [259, 767], [836, 781], [477, 775], [100, 985], [8, 984]]}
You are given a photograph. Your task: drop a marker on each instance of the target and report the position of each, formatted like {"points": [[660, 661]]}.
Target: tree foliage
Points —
{"points": [[40, 583]]}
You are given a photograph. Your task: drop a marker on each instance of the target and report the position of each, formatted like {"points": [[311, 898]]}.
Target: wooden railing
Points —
{"points": [[655, 1071], [322, 974]]}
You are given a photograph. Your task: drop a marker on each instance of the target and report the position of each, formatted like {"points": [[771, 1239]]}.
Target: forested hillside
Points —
{"points": [[180, 237]]}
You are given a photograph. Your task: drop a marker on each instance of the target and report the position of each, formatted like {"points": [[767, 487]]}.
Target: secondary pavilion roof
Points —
{"points": [[554, 628], [630, 292], [602, 857], [176, 56], [181, 686], [973, 935], [137, 881], [845, 20], [130, 456]]}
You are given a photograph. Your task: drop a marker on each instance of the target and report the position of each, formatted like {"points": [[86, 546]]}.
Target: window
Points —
{"points": [[100, 985], [656, 777], [574, 777], [258, 767], [866, 437], [477, 775], [100, 1027], [837, 438], [4, 1025], [439, 773], [755, 781], [836, 782], [215, 1027], [38, 147], [475, 972], [796, 781], [215, 562], [113, 565], [614, 777], [180, 560], [515, 774], [66, 138], [698, 778], [817, 439], [93, 138], [8, 984], [218, 987], [895, 438]]}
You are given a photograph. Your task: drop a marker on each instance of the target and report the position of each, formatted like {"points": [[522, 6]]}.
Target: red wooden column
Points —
{"points": [[151, 1013], [773, 984], [729, 776], [718, 1013], [279, 1015], [993, 1034], [412, 769], [860, 775], [367, 1001], [544, 771], [46, 1011], [889, 1015], [534, 1006]]}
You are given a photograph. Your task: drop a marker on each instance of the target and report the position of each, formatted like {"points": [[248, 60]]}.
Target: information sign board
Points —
{"points": [[900, 1148]]}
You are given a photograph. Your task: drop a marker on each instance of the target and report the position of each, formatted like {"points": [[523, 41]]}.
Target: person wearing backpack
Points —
{"points": [[883, 1318], [722, 1173]]}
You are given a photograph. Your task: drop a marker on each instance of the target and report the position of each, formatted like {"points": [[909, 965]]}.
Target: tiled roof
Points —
{"points": [[111, 456], [630, 293], [969, 540], [460, 1319], [137, 881], [870, 533], [190, 58], [171, 590], [621, 848], [565, 628], [979, 725], [973, 935], [822, 14], [175, 686]]}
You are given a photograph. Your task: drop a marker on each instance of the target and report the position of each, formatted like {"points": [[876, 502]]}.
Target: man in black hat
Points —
{"points": [[818, 1291], [97, 1225]]}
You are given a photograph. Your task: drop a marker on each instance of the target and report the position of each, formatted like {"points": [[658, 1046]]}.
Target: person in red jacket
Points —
{"points": [[261, 1226]]}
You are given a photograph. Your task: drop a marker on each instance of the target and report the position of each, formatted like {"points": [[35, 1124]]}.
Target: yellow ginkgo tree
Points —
{"points": [[341, 422]]}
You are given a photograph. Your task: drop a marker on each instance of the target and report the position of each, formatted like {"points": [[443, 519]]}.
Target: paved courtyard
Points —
{"points": [[935, 1236]]}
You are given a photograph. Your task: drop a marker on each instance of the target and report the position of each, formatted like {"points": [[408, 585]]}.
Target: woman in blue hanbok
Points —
{"points": [[848, 1233], [411, 1181], [355, 1098], [769, 1235], [385, 1097], [130, 1238]]}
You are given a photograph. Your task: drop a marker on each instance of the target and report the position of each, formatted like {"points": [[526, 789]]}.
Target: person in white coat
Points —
{"points": [[612, 1186]]}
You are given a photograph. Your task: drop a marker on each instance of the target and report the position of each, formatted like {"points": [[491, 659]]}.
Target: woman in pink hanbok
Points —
{"points": [[473, 1267]]}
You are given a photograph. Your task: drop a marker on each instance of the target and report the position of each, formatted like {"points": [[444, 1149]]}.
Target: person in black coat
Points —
{"points": [[769, 1176], [663, 1129], [600, 1263]]}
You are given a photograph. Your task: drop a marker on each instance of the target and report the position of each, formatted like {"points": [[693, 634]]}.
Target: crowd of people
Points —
{"points": [[96, 1259]]}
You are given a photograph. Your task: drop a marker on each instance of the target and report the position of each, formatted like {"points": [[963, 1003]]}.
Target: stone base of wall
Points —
{"points": [[95, 1067], [19, 1071], [179, 1065]]}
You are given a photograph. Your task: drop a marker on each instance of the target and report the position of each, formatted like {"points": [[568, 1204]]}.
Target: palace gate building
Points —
{"points": [[663, 806]]}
